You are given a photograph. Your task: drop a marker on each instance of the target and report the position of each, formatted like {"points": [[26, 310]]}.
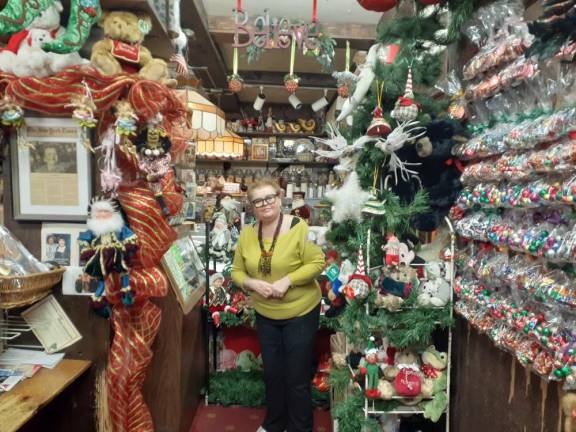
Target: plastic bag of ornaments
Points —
{"points": [[15, 259]]}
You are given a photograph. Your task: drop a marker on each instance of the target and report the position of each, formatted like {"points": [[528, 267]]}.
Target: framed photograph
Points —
{"points": [[186, 272], [260, 152], [60, 243], [51, 178]]}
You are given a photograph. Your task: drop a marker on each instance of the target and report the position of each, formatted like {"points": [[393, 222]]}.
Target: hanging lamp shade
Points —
{"points": [[208, 121], [225, 147]]}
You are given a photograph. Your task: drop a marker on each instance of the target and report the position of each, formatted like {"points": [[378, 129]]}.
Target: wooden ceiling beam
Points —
{"points": [[203, 54], [360, 36], [307, 80]]}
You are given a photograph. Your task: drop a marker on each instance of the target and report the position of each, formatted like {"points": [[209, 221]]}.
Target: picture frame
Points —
{"points": [[51, 171], [259, 152], [57, 235], [186, 272]]}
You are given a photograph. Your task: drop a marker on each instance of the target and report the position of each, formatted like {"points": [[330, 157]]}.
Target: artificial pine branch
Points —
{"points": [[350, 415], [461, 11], [408, 28]]}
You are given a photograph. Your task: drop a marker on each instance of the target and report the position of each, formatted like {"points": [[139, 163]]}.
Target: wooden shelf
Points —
{"points": [[279, 135], [22, 402], [262, 163]]}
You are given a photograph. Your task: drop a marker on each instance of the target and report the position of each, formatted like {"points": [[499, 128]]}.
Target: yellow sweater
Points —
{"points": [[294, 256]]}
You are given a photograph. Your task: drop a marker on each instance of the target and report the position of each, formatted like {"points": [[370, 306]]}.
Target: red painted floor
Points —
{"points": [[215, 418]]}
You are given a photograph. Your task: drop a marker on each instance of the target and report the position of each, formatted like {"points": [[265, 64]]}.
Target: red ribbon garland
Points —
{"points": [[314, 11]]}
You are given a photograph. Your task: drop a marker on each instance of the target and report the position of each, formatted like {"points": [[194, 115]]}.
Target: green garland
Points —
{"points": [[461, 11], [235, 387], [350, 415]]}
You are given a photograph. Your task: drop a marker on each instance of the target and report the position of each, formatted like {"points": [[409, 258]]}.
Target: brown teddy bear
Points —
{"points": [[121, 50]]}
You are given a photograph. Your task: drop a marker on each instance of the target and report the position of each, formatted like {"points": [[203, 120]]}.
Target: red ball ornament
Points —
{"points": [[378, 5]]}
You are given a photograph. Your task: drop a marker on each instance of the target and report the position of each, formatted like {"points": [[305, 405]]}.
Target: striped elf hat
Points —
{"points": [[408, 92], [360, 272]]}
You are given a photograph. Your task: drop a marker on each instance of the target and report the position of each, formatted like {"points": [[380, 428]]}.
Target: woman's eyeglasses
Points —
{"points": [[267, 200]]}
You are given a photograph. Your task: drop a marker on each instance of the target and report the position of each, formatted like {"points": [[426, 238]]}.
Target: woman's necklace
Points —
{"points": [[265, 263]]}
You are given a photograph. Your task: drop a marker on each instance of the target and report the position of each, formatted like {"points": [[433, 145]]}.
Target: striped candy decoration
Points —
{"points": [[408, 93]]}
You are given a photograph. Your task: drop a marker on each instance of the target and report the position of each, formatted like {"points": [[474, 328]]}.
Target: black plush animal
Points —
{"points": [[438, 172]]}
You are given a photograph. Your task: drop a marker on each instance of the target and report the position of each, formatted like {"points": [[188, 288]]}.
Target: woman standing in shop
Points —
{"points": [[276, 263]]}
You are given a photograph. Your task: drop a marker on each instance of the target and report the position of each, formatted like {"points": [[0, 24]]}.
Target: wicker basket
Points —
{"points": [[17, 291]]}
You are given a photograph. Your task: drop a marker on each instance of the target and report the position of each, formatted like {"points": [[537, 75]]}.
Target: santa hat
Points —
{"points": [[371, 348], [360, 270]]}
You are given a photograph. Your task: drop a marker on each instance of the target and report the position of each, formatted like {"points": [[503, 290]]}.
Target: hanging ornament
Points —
{"points": [[346, 79], [11, 115], [126, 120], [405, 108], [378, 5], [359, 284], [235, 81], [110, 174], [379, 127], [84, 113], [291, 80]]}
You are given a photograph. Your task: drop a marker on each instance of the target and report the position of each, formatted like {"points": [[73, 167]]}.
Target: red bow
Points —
{"points": [[429, 371], [456, 162]]}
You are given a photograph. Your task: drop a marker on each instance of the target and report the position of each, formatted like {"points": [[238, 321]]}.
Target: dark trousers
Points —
{"points": [[287, 353]]}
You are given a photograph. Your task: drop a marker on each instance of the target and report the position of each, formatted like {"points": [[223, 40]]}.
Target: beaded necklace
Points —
{"points": [[265, 262]]}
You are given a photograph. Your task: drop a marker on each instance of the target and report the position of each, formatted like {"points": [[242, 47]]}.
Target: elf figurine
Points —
{"points": [[299, 206], [153, 148], [369, 367], [108, 247]]}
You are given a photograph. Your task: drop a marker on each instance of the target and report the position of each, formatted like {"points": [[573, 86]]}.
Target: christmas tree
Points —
{"points": [[397, 179]]}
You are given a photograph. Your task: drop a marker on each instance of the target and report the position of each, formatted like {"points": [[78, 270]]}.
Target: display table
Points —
{"points": [[23, 402]]}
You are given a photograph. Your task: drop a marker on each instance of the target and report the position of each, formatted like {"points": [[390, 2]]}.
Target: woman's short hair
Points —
{"points": [[263, 183]]}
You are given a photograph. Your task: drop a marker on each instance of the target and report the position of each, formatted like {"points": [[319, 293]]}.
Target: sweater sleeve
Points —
{"points": [[312, 260], [239, 274]]}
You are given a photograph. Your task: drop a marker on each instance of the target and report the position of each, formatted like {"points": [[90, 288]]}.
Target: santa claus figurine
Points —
{"points": [[108, 247], [299, 206], [154, 158]]}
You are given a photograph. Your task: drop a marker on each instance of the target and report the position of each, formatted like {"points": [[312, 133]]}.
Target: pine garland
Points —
{"points": [[461, 11], [350, 415]]}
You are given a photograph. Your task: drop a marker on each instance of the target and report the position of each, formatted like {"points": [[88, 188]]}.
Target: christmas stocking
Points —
{"points": [[18, 14], [83, 14]]}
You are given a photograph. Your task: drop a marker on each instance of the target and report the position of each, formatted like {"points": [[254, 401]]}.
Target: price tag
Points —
{"points": [[332, 272]]}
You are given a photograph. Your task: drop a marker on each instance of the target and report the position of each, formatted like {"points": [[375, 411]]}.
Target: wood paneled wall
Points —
{"points": [[175, 376]]}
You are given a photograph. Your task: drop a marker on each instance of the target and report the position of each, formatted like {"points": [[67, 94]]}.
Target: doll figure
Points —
{"points": [[299, 207], [107, 247], [220, 237], [219, 298], [153, 148], [227, 205], [369, 367]]}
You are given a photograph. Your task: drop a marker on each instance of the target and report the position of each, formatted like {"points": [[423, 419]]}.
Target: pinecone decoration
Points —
{"points": [[291, 83], [343, 91], [406, 109], [235, 83]]}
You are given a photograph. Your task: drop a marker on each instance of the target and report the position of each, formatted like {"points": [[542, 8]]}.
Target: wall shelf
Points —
{"points": [[279, 135], [257, 163]]}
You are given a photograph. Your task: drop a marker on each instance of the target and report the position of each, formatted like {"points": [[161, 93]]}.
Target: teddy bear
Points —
{"points": [[404, 378], [122, 50], [24, 54], [438, 172], [436, 290]]}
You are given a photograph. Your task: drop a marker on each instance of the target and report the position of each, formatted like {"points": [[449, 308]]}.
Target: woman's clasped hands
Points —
{"points": [[269, 290]]}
